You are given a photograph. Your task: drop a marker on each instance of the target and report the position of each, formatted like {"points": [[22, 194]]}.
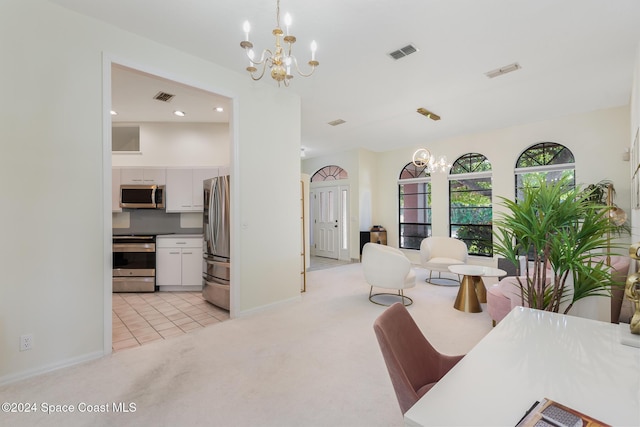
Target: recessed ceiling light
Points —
{"points": [[219, 109], [113, 113], [179, 113]]}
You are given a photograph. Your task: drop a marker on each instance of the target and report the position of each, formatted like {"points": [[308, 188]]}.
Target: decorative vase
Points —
{"points": [[632, 291], [635, 321]]}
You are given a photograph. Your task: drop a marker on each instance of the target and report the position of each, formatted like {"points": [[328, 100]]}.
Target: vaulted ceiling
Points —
{"points": [[576, 56]]}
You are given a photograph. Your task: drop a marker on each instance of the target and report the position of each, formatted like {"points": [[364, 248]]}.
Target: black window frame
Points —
{"points": [[551, 159], [329, 173], [472, 168], [409, 175]]}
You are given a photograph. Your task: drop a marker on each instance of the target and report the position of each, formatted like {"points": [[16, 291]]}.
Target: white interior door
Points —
{"points": [[326, 225]]}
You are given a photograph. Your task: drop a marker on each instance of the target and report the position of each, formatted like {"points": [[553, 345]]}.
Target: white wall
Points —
{"points": [[635, 99], [174, 144], [179, 144], [55, 179], [367, 189], [597, 139], [268, 216], [634, 133]]}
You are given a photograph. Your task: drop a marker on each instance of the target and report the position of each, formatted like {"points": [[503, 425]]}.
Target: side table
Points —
{"points": [[472, 290]]}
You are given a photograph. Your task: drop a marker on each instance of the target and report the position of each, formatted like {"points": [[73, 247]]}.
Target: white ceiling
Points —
{"points": [[576, 56], [133, 92]]}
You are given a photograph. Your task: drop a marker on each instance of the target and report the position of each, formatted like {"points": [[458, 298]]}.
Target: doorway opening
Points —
{"points": [[329, 207], [131, 99]]}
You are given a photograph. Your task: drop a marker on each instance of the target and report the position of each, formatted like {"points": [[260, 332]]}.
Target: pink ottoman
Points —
{"points": [[498, 305]]}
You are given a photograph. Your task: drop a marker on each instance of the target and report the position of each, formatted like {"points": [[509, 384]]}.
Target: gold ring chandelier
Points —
{"points": [[281, 59], [423, 158]]}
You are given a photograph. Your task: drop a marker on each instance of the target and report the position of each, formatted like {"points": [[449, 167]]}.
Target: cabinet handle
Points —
{"points": [[174, 253], [187, 253], [181, 243]]}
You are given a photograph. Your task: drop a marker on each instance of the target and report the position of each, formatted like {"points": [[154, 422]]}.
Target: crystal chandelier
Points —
{"points": [[282, 58], [423, 158]]}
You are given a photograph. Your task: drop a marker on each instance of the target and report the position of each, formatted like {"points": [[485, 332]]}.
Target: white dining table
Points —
{"points": [[532, 355]]}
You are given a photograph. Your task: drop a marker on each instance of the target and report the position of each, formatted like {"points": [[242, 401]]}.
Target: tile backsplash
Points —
{"points": [[156, 221]]}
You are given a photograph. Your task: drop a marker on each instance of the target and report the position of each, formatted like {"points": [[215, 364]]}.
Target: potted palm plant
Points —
{"points": [[561, 229]]}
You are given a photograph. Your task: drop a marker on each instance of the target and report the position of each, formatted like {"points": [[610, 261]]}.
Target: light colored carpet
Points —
{"points": [[314, 363]]}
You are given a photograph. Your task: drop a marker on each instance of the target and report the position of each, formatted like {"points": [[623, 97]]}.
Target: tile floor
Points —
{"points": [[140, 318]]}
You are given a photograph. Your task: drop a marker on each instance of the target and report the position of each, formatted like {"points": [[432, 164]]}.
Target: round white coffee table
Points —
{"points": [[472, 290]]}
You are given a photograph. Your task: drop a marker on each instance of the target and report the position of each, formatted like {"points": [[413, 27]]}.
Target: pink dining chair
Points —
{"points": [[413, 364]]}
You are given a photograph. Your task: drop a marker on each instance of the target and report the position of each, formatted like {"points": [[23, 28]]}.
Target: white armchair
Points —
{"points": [[438, 253], [387, 267]]}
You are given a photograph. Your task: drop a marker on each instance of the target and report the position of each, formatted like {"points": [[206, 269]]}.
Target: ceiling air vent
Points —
{"points": [[404, 51], [163, 96], [337, 122], [503, 70]]}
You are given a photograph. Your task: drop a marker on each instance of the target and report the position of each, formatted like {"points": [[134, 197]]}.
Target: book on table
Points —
{"points": [[548, 413]]}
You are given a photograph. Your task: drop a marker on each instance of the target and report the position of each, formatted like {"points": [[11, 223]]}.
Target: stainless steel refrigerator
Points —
{"points": [[217, 257]]}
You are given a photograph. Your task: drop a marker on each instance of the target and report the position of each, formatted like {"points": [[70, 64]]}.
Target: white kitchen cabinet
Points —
{"points": [[143, 176], [179, 263], [168, 267], [191, 271], [179, 197], [115, 190], [200, 175], [184, 188]]}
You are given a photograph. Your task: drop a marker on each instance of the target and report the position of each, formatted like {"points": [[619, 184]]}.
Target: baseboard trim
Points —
{"points": [[12, 378]]}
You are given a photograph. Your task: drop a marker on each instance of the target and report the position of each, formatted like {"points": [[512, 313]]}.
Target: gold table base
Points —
{"points": [[471, 293]]}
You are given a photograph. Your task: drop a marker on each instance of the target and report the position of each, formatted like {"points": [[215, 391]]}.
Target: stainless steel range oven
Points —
{"points": [[134, 263]]}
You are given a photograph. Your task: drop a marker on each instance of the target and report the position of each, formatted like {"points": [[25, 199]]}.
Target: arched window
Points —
{"points": [[414, 201], [547, 160], [329, 173], [470, 208]]}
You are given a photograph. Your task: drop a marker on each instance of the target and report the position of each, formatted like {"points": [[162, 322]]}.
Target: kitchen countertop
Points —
{"points": [[158, 234], [178, 236]]}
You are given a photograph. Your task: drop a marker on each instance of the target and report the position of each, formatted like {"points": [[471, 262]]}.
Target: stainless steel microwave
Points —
{"points": [[142, 196]]}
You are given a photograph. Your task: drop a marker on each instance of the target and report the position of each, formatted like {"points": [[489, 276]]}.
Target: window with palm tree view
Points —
{"points": [[470, 208], [543, 162], [546, 161]]}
